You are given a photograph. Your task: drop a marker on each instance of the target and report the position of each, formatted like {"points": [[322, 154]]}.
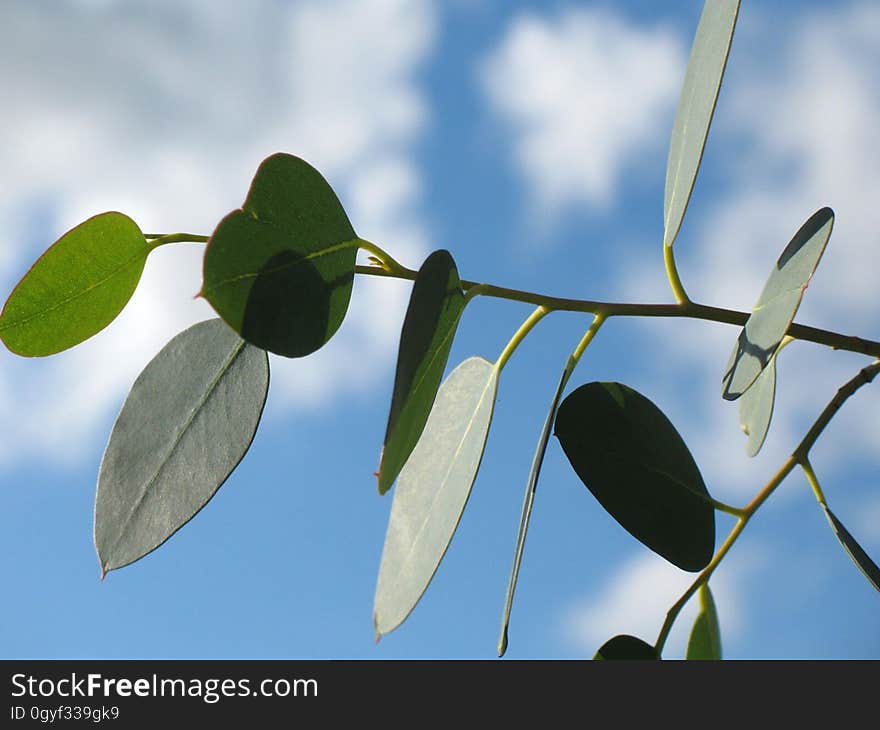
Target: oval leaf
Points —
{"points": [[756, 407], [632, 459], [279, 271], [188, 421], [705, 639], [432, 490], [435, 306], [625, 646], [777, 305], [696, 105], [862, 560], [76, 288]]}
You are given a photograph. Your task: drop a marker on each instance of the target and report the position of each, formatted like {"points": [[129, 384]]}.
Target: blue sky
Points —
{"points": [[529, 139]]}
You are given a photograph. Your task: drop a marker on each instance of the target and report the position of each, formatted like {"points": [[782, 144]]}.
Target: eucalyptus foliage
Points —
{"points": [[279, 272]]}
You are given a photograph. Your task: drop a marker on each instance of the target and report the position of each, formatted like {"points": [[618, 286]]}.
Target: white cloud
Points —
{"points": [[582, 93], [163, 110], [636, 598]]}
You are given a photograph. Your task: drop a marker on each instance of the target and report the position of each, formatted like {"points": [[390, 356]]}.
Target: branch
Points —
{"points": [[686, 309], [798, 456]]}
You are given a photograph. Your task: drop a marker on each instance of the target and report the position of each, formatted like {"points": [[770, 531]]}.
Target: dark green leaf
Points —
{"points": [[435, 305], [777, 305], [634, 462], [279, 271], [756, 407], [705, 640], [76, 288], [188, 421], [433, 488], [862, 560], [528, 502], [624, 646], [696, 106]]}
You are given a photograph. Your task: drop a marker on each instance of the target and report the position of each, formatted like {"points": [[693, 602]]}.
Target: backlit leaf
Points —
{"points": [[435, 306], [756, 407], [433, 488], [705, 639], [696, 106], [624, 646], [186, 424], [862, 560], [76, 288], [279, 270], [777, 305], [632, 459]]}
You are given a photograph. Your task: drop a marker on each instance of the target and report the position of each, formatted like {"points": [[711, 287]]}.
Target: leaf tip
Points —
{"points": [[382, 483], [378, 633], [502, 643]]}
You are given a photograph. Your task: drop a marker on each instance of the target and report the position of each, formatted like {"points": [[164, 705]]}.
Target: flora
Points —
{"points": [[279, 271]]}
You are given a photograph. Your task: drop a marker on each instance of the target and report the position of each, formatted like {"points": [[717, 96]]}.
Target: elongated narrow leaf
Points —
{"points": [[435, 307], [632, 459], [433, 488], [756, 407], [862, 560], [626, 647], [705, 639], [777, 305], [696, 106], [279, 270], [76, 288], [188, 421], [528, 502]]}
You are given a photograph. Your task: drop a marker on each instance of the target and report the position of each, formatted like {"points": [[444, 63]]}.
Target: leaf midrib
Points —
{"points": [[145, 489], [44, 312], [351, 243], [418, 535]]}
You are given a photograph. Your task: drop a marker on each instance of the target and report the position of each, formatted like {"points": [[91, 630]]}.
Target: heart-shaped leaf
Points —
{"points": [[696, 106], [862, 560], [756, 407], [625, 647], [629, 455], [76, 288], [777, 305], [188, 421], [435, 306], [279, 270], [432, 490], [705, 639]]}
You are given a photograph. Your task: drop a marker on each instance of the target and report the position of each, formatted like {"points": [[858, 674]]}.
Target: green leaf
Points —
{"points": [[528, 502], [705, 640], [862, 560], [702, 82], [76, 288], [777, 305], [188, 421], [632, 459], [756, 407], [435, 306], [625, 646], [279, 271], [432, 490]]}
